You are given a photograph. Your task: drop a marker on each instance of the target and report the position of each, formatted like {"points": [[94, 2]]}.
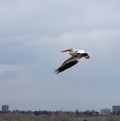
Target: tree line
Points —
{"points": [[75, 113]]}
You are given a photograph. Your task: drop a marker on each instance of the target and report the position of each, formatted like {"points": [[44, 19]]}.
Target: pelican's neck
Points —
{"points": [[72, 52]]}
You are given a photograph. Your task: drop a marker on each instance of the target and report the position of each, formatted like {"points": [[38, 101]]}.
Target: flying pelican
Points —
{"points": [[76, 55]]}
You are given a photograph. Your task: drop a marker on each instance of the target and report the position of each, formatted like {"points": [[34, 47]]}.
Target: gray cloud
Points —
{"points": [[8, 75]]}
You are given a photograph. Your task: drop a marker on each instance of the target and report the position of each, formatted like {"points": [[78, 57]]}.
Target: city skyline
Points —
{"points": [[115, 109]]}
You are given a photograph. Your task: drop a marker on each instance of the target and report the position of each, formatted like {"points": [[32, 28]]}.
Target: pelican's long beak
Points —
{"points": [[68, 50]]}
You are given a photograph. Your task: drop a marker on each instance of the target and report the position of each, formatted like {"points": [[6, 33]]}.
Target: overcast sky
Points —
{"points": [[32, 34]]}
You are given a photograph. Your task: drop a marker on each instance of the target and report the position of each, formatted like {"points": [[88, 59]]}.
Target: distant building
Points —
{"points": [[5, 108], [116, 109], [105, 111]]}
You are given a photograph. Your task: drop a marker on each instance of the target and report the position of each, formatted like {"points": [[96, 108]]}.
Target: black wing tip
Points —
{"points": [[66, 66], [57, 71]]}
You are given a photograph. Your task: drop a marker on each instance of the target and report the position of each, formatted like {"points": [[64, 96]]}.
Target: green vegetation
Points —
{"points": [[55, 116], [99, 118]]}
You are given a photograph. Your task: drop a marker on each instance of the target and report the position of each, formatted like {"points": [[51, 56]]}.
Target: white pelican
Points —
{"points": [[76, 55]]}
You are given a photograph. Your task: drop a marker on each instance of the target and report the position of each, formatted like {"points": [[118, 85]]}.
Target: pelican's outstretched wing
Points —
{"points": [[67, 64]]}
